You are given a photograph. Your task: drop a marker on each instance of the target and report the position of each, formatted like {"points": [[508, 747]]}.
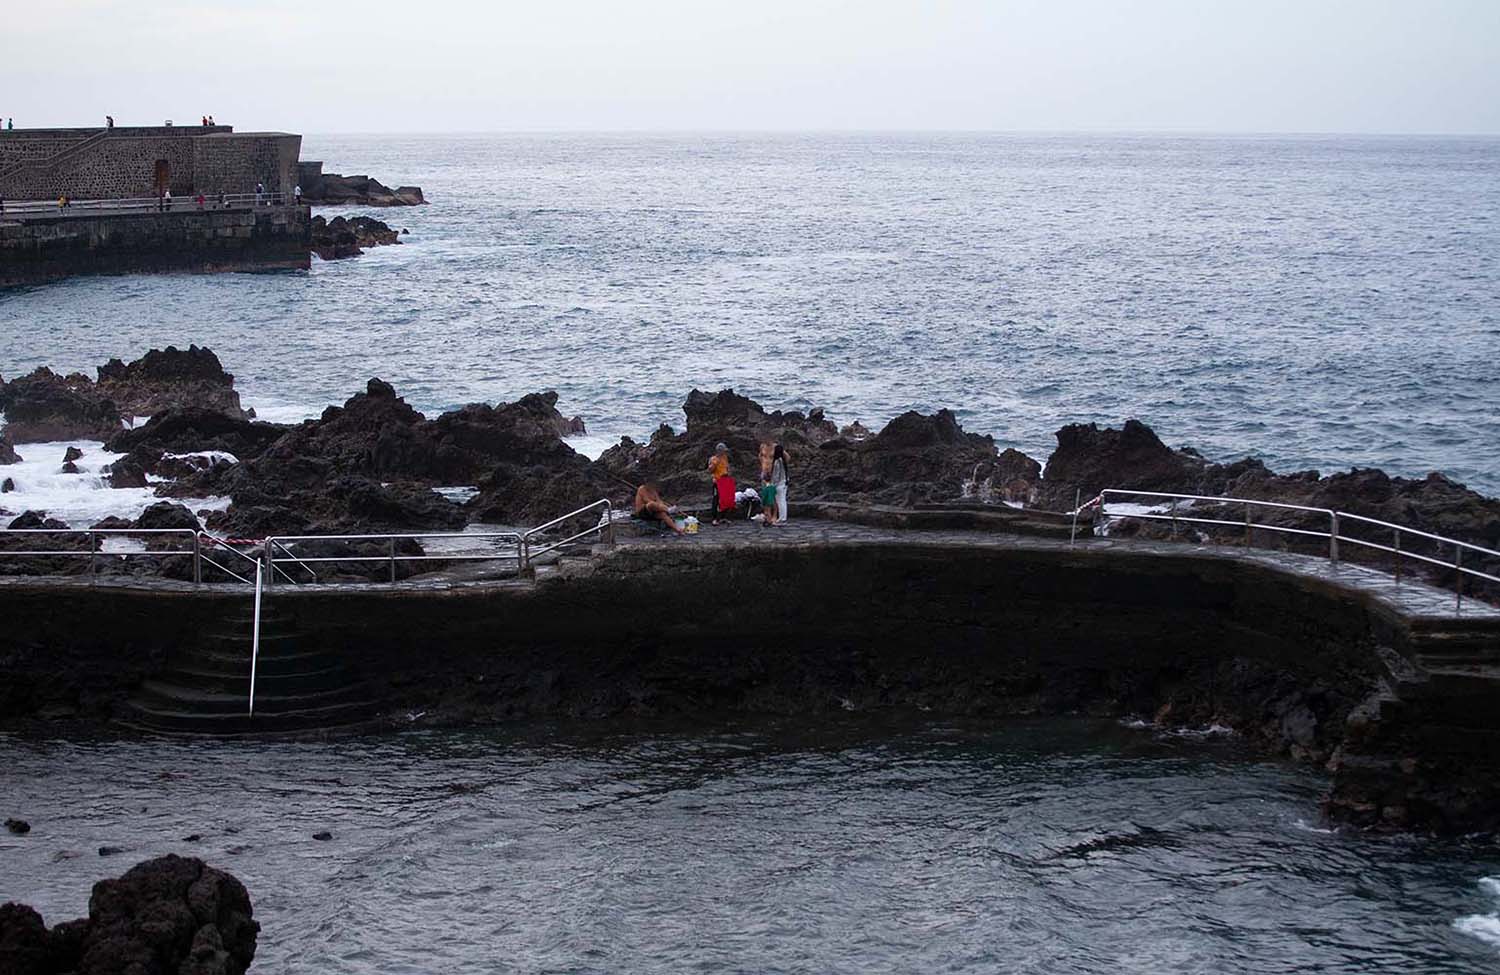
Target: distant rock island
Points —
{"points": [[331, 189]]}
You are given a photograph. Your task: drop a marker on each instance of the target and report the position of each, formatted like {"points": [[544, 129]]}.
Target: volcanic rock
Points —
{"points": [[18, 827], [917, 458], [1089, 459], [37, 519], [8, 485], [361, 191], [348, 236], [170, 378], [126, 473], [328, 471], [44, 406], [165, 514], [71, 454], [8, 453], [168, 915]]}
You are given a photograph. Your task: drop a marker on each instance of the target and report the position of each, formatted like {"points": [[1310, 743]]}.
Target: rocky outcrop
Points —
{"points": [[1089, 459], [8, 453], [194, 430], [168, 915], [344, 237], [361, 191], [372, 462], [43, 406], [170, 378], [915, 459]]}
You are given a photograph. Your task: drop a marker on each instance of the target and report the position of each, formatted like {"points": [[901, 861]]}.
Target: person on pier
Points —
{"points": [[718, 470], [649, 506]]}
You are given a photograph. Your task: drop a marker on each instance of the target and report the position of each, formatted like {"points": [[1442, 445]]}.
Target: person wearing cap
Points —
{"points": [[718, 467]]}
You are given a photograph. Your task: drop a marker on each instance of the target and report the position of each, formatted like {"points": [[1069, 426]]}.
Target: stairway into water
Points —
{"points": [[206, 691]]}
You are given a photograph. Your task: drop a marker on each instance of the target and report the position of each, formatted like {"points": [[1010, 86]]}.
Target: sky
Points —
{"points": [[1366, 66]]}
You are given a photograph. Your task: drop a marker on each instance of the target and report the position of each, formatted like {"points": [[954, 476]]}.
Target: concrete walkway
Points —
{"points": [[1408, 598]]}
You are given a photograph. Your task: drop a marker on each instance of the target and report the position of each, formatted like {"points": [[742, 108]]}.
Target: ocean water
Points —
{"points": [[858, 843], [1316, 302]]}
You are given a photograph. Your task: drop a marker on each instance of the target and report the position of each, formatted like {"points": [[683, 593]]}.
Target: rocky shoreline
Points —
{"points": [[372, 463]]}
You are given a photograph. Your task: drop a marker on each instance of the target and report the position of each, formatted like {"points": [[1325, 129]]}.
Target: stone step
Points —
{"points": [[170, 721], [272, 682], [163, 695], [268, 641], [234, 664]]}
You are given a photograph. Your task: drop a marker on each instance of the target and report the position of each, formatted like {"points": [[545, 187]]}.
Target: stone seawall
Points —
{"points": [[1296, 665], [41, 249]]}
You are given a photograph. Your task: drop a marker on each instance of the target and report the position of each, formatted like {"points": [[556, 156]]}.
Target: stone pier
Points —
{"points": [[38, 248]]}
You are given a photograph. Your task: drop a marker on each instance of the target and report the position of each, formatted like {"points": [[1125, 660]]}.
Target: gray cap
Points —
{"points": [[721, 448]]}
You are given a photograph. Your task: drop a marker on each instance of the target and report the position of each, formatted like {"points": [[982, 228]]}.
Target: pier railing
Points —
{"points": [[141, 204], [201, 543], [1189, 509], [281, 557]]}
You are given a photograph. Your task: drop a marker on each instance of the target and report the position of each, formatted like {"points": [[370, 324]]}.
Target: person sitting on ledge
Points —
{"points": [[650, 507]]}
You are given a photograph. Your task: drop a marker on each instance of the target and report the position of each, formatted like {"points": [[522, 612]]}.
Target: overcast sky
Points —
{"points": [[1386, 66]]}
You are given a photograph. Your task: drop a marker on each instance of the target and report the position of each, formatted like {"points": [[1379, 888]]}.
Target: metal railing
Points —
{"points": [[177, 204], [279, 553], [202, 543], [1336, 533], [393, 555]]}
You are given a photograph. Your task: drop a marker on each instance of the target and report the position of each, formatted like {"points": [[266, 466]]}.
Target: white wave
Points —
{"points": [[591, 445], [285, 412], [1485, 927], [79, 499], [1307, 827]]}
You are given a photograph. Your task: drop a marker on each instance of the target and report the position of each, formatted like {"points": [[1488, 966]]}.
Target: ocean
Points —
{"points": [[847, 843], [1314, 302]]}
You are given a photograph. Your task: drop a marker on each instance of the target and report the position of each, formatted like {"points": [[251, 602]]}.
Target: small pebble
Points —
{"points": [[18, 826], [325, 835]]}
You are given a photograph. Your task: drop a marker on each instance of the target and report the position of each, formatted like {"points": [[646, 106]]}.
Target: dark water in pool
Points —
{"points": [[855, 844], [1317, 302]]}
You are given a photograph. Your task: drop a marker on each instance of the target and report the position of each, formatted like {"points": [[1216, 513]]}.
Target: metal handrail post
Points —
{"points": [[269, 558], [1073, 534], [93, 557], [1458, 578], [1333, 537], [1397, 546], [393, 560], [1249, 534], [197, 560], [255, 639], [1174, 517]]}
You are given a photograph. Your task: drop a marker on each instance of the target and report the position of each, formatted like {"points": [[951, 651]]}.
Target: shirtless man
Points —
{"points": [[650, 507]]}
